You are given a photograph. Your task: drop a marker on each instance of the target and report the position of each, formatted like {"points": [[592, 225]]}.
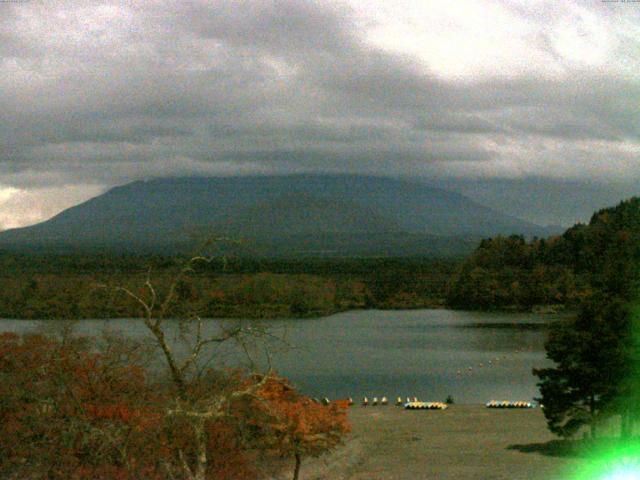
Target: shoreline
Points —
{"points": [[283, 314], [461, 442]]}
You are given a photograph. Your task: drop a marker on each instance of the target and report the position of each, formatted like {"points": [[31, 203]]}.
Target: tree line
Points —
{"points": [[59, 287], [563, 270], [511, 272], [593, 269], [596, 353]]}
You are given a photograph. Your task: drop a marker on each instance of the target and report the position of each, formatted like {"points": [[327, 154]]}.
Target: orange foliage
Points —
{"points": [[342, 403], [67, 412], [301, 426], [231, 461]]}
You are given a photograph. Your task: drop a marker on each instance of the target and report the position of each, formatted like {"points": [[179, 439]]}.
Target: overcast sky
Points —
{"points": [[94, 94]]}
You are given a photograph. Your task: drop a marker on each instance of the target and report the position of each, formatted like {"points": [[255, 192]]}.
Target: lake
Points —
{"points": [[475, 357]]}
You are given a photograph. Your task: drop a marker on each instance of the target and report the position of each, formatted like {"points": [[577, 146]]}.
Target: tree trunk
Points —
{"points": [[625, 423], [592, 411], [176, 374], [296, 471], [201, 449]]}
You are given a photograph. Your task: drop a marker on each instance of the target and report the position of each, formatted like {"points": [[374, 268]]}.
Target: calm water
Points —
{"points": [[430, 354]]}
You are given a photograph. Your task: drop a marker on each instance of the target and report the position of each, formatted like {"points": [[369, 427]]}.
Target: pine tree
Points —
{"points": [[591, 354]]}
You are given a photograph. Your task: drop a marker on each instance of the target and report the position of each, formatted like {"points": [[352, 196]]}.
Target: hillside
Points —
{"points": [[511, 272], [293, 215]]}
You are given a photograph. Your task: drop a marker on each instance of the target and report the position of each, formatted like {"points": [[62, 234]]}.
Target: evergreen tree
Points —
{"points": [[597, 355], [591, 353]]}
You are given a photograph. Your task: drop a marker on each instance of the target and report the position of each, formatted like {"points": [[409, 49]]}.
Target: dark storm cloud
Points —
{"points": [[105, 92]]}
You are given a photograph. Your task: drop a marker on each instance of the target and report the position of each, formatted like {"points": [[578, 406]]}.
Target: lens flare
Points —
{"points": [[623, 474], [626, 469], [620, 461]]}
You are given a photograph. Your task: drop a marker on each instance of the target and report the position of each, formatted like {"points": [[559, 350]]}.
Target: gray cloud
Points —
{"points": [[100, 93]]}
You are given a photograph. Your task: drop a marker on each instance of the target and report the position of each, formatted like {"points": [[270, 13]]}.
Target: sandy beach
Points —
{"points": [[462, 442]]}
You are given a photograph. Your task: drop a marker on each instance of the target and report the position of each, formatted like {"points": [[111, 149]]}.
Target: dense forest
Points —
{"points": [[596, 353], [84, 286], [502, 273], [508, 272]]}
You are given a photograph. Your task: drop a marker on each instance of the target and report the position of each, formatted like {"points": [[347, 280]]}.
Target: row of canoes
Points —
{"points": [[385, 401], [412, 403], [508, 404], [425, 406]]}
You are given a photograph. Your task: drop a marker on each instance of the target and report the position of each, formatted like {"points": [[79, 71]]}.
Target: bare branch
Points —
{"points": [[137, 299], [149, 285], [200, 343], [196, 404], [217, 406], [185, 464]]}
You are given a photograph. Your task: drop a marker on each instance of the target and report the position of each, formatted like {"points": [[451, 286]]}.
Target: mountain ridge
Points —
{"points": [[162, 212]]}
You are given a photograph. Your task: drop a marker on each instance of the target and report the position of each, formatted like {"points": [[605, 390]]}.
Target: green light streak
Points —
{"points": [[615, 462], [617, 458]]}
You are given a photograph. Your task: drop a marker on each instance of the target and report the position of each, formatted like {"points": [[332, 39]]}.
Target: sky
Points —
{"points": [[529, 106]]}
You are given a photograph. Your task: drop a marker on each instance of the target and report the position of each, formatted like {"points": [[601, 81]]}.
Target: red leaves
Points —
{"points": [[229, 461], [120, 413], [72, 412], [299, 425], [67, 412], [112, 472], [138, 418], [342, 404], [217, 295]]}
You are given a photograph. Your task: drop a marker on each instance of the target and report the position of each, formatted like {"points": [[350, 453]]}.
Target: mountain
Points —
{"points": [[296, 214]]}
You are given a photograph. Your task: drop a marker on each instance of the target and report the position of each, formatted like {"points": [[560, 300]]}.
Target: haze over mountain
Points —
{"points": [[537, 119], [294, 215]]}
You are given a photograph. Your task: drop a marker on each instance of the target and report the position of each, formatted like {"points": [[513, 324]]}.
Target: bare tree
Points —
{"points": [[192, 405]]}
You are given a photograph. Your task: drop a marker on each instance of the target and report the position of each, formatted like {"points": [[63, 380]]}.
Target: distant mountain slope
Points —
{"points": [[341, 211]]}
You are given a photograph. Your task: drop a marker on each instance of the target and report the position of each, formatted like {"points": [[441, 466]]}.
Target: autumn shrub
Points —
{"points": [[69, 412], [298, 427], [71, 408]]}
